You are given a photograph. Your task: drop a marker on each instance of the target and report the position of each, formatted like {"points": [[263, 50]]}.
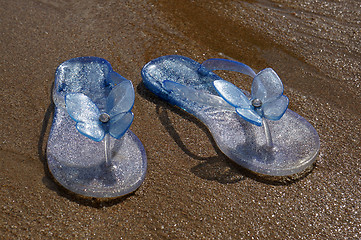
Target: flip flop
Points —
{"points": [[255, 130], [90, 149]]}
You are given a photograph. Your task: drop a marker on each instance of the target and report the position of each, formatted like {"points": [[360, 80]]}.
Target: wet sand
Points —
{"points": [[192, 190]]}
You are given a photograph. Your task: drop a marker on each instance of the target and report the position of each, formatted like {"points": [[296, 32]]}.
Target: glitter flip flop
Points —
{"points": [[91, 150], [255, 130]]}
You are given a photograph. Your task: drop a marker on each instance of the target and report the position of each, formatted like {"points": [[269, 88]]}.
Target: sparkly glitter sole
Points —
{"points": [[189, 85], [105, 168]]}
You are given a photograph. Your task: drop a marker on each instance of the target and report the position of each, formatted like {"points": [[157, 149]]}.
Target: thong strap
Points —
{"points": [[225, 64]]}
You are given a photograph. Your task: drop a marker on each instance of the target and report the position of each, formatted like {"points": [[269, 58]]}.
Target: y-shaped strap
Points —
{"points": [[225, 64], [189, 93]]}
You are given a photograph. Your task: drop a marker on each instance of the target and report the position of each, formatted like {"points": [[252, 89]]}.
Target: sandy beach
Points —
{"points": [[192, 190]]}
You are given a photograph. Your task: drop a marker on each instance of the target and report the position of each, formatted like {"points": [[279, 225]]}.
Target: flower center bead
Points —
{"points": [[104, 117], [256, 103]]}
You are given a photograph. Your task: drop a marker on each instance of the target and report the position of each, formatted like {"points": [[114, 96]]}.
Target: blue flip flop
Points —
{"points": [[255, 130], [90, 149]]}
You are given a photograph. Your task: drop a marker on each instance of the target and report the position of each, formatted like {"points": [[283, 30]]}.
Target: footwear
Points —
{"points": [[255, 130], [90, 149]]}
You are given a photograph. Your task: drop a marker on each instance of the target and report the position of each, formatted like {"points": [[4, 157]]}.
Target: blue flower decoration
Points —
{"points": [[267, 99], [95, 123]]}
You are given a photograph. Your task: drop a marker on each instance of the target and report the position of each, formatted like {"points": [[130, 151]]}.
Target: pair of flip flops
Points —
{"points": [[92, 152]]}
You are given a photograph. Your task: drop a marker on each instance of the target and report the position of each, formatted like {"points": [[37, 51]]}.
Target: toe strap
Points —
{"points": [[228, 65]]}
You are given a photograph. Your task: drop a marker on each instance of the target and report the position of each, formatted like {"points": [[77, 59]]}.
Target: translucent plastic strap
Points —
{"points": [[187, 93], [229, 65]]}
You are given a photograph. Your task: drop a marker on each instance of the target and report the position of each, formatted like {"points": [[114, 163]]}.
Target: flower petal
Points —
{"points": [[120, 123], [232, 94], [81, 108], [250, 115], [115, 78], [266, 86], [121, 98], [274, 110], [92, 130]]}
